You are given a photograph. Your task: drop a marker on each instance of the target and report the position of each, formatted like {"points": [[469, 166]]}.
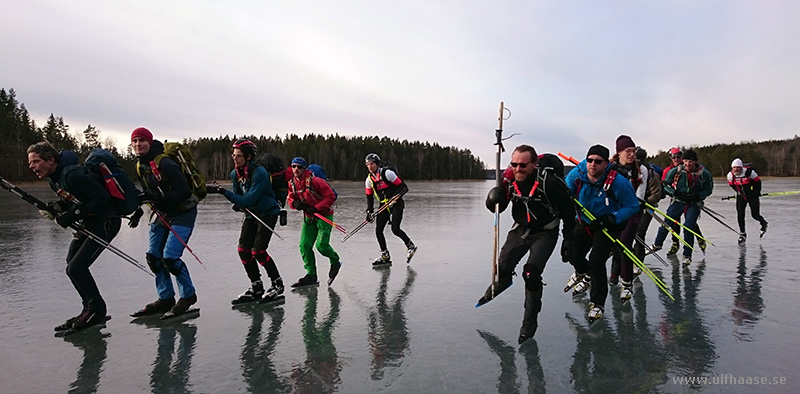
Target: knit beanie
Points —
{"points": [[599, 150], [689, 155], [300, 161], [624, 142], [142, 132], [737, 162]]}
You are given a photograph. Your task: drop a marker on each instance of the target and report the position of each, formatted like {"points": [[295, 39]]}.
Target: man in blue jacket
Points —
{"points": [[689, 184], [252, 193], [85, 201], [611, 200]]}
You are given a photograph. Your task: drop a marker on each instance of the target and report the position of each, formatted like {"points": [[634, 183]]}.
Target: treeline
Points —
{"points": [[768, 158], [341, 157]]}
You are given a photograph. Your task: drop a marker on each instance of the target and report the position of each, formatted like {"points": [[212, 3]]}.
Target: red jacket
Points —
{"points": [[312, 191]]}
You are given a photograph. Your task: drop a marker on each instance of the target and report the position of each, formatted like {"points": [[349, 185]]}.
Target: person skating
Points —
{"points": [[612, 201], [626, 164], [689, 184], [252, 193], [168, 194], [83, 200], [313, 195], [540, 200], [383, 184], [747, 185], [652, 197], [676, 159]]}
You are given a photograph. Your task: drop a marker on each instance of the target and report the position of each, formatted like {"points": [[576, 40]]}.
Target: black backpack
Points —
{"points": [[277, 176]]}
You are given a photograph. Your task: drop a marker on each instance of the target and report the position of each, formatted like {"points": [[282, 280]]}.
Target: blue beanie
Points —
{"points": [[299, 160]]}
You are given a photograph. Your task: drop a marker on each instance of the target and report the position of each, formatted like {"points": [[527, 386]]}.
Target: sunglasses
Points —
{"points": [[521, 165], [598, 161], [297, 166], [677, 156]]}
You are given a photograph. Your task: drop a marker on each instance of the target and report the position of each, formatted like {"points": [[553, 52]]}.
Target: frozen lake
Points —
{"points": [[409, 328]]}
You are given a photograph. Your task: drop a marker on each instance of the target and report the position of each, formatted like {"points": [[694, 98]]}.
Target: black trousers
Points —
{"points": [[82, 254]]}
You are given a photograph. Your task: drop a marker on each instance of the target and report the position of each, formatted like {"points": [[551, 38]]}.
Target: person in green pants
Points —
{"points": [[314, 196]]}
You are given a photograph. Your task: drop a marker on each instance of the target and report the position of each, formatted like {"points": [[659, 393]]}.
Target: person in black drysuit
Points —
{"points": [[83, 201], [539, 201]]}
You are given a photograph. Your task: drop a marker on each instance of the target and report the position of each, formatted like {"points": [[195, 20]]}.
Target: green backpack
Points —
{"points": [[181, 154]]}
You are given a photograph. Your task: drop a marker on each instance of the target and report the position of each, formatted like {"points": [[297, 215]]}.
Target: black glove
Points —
{"points": [[310, 210], [147, 196], [69, 217], [297, 204], [53, 209], [680, 195], [370, 218], [133, 221], [601, 222], [238, 207], [496, 196], [566, 250], [691, 198], [214, 188]]}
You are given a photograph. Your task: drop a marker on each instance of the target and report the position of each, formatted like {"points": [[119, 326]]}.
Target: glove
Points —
{"points": [[69, 217], [133, 221], [53, 209], [238, 207], [566, 250], [680, 195], [147, 196], [297, 204], [370, 218], [310, 210], [605, 221], [691, 198], [496, 196], [214, 188]]}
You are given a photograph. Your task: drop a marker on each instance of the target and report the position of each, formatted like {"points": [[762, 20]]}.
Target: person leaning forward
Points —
{"points": [[540, 200], [168, 194], [83, 201]]}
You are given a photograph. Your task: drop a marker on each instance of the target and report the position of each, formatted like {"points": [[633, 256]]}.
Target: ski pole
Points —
{"points": [[334, 225], [668, 227], [720, 221], [88, 234], [713, 212], [262, 222], [680, 224], [651, 251], [375, 214], [164, 220], [569, 158], [659, 283], [765, 194]]}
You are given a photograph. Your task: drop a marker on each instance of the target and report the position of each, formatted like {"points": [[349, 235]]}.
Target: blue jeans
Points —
{"points": [[168, 249], [692, 213]]}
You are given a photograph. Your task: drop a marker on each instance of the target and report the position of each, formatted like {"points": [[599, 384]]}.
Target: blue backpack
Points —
{"points": [[318, 172]]}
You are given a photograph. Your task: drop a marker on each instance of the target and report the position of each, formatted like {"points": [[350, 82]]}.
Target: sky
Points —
{"points": [[572, 73]]}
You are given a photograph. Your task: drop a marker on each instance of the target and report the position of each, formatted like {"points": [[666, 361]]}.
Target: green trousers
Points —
{"points": [[319, 232]]}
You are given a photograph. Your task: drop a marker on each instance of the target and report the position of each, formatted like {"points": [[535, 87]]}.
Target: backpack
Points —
{"points": [[553, 163], [180, 154], [318, 172], [388, 165], [124, 194], [654, 186], [277, 176]]}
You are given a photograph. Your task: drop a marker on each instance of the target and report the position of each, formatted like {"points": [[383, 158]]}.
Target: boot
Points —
{"points": [[533, 305], [254, 293], [306, 281], [595, 312], [334, 270], [763, 228], [68, 324], [573, 280], [383, 260], [410, 250], [88, 319], [742, 238], [156, 307], [674, 248], [182, 306], [583, 285], [702, 244], [275, 291], [626, 292], [686, 261]]}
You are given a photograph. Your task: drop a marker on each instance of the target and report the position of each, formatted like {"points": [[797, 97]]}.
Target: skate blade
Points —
{"points": [[94, 327], [273, 300], [191, 312]]}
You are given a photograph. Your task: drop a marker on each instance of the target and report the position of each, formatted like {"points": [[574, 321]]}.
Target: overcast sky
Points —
{"points": [[573, 73]]}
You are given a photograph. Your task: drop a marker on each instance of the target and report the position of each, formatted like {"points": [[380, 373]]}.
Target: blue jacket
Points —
{"points": [[253, 191], [620, 200], [696, 185]]}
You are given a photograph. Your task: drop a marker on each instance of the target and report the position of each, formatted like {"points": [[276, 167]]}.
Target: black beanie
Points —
{"points": [[599, 150], [689, 155]]}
